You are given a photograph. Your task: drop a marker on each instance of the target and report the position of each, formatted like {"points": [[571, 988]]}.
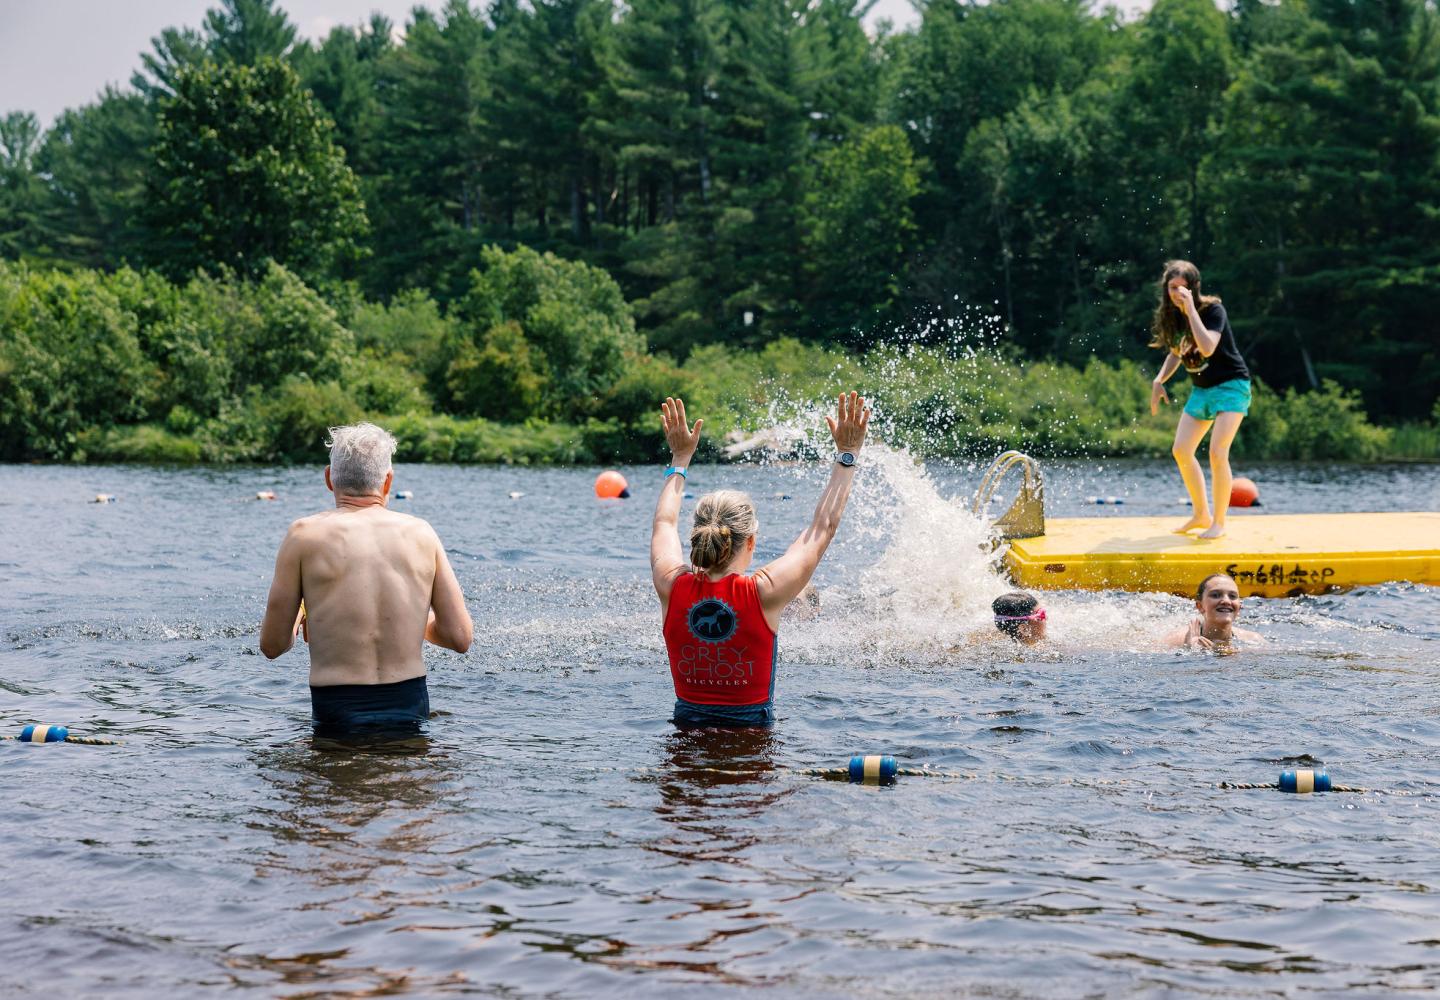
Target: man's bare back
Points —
{"points": [[367, 577], [375, 584]]}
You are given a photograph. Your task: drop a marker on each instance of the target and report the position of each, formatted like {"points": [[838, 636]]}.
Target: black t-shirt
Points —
{"points": [[1225, 363]]}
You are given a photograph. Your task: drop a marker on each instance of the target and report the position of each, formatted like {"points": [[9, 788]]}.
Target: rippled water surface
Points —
{"points": [[554, 836]]}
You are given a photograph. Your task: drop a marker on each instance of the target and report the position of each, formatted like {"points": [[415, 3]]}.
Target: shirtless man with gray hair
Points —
{"points": [[375, 585]]}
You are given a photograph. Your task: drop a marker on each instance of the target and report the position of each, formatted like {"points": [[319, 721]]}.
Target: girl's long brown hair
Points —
{"points": [[1169, 326]]}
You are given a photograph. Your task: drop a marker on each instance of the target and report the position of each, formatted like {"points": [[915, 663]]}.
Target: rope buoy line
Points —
{"points": [[881, 770], [869, 769]]}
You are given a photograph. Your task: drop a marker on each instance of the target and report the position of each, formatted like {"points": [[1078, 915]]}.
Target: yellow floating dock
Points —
{"points": [[1269, 555]]}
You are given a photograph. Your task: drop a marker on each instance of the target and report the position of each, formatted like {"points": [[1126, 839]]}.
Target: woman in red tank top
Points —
{"points": [[720, 624]]}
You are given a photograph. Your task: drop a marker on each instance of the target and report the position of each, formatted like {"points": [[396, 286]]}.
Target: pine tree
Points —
{"points": [[1331, 201], [96, 158], [246, 31], [662, 67], [21, 190], [341, 74], [430, 152], [543, 71]]}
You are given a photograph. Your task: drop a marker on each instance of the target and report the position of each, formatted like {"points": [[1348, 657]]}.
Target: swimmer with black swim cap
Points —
{"points": [[1217, 600], [1019, 616]]}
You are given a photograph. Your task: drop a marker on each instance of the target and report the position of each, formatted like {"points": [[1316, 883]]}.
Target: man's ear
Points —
{"points": [[328, 484], [389, 482]]}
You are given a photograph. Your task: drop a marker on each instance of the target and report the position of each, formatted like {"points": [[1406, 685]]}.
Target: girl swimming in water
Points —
{"points": [[1194, 331], [1217, 600], [720, 624]]}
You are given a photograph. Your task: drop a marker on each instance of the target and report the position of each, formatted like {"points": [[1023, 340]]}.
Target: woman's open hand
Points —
{"points": [[851, 420], [1157, 396], [682, 438]]}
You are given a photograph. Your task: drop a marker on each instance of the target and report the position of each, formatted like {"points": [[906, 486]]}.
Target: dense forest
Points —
{"points": [[518, 226]]}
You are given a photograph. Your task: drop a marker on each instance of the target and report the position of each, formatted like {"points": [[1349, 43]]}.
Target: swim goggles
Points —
{"points": [[1038, 615]]}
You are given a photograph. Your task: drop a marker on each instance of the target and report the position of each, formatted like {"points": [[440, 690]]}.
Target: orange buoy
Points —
{"points": [[610, 485], [1244, 493]]}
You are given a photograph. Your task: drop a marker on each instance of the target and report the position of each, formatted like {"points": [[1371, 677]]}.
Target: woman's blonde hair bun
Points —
{"points": [[723, 519]]}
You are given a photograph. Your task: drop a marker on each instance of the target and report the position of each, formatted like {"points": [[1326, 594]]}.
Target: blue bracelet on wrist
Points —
{"points": [[674, 469]]}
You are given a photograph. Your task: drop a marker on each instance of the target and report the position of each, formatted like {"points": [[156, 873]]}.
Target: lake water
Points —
{"points": [[554, 836]]}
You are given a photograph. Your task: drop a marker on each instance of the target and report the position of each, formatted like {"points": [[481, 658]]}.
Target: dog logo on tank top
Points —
{"points": [[712, 620]]}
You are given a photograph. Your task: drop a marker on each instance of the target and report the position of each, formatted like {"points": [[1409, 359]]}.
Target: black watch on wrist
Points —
{"points": [[846, 458]]}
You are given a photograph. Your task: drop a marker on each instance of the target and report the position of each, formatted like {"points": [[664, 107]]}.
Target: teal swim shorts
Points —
{"points": [[1227, 397]]}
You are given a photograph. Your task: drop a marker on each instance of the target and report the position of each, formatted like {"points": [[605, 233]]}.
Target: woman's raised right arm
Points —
{"points": [[781, 581], [667, 558]]}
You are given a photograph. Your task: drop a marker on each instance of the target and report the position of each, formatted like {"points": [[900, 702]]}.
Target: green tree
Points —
{"points": [[246, 172], [1167, 119], [273, 328], [341, 73], [430, 154], [247, 31], [969, 63], [543, 72], [1330, 228], [860, 224], [657, 113], [173, 50], [21, 191], [96, 158]]}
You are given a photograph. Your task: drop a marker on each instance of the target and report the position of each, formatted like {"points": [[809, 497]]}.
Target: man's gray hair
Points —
{"points": [[359, 458]]}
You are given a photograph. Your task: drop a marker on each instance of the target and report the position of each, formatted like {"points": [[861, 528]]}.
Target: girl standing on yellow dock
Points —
{"points": [[1194, 331]]}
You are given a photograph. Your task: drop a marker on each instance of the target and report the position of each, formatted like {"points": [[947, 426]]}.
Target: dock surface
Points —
{"points": [[1269, 555]]}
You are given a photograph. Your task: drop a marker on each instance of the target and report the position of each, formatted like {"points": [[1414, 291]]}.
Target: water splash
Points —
{"points": [[924, 597]]}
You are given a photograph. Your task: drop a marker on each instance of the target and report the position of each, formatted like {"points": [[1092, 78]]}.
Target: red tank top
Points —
{"points": [[722, 650]]}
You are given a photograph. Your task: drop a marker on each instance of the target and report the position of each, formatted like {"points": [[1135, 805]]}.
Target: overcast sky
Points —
{"points": [[57, 54]]}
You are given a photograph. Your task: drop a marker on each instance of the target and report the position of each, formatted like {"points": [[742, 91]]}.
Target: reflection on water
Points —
{"points": [[555, 836], [712, 777]]}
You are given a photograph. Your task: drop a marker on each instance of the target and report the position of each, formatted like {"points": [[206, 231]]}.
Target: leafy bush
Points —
{"points": [[411, 325], [572, 313], [127, 366], [501, 378], [70, 359], [138, 443], [443, 438]]}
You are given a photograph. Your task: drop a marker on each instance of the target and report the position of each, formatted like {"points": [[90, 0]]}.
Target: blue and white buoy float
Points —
{"points": [[873, 769], [1304, 780]]}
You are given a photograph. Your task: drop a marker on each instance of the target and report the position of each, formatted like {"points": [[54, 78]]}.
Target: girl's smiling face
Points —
{"points": [[1219, 603]]}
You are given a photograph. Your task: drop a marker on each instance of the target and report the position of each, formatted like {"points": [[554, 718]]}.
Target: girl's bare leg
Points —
{"points": [[1187, 439], [1226, 426]]}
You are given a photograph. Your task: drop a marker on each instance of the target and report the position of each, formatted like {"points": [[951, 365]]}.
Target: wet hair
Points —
{"points": [[723, 520], [1016, 603], [359, 458], [1200, 590], [1169, 326]]}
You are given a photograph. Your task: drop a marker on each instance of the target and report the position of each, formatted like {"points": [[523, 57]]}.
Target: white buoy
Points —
{"points": [[516, 494], [265, 495], [404, 494], [104, 498]]}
